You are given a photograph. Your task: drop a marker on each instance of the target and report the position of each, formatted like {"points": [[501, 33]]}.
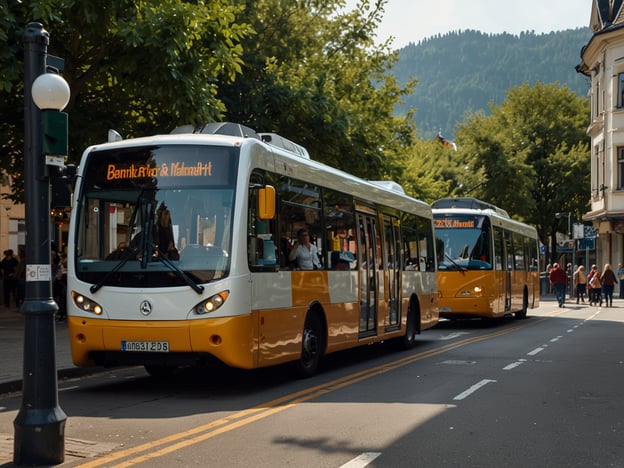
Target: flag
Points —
{"points": [[444, 142]]}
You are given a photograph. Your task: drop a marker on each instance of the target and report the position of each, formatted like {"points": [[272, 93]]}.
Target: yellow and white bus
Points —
{"points": [[223, 286], [488, 264]]}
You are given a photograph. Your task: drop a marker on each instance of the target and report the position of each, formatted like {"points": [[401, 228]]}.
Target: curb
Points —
{"points": [[14, 386]]}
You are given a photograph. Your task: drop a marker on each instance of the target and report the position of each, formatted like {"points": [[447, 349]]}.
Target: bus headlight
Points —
{"points": [[475, 291], [212, 303], [85, 304]]}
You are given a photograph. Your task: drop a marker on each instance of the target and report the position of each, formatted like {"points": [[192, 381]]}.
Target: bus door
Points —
{"points": [[368, 258], [391, 263], [509, 266]]}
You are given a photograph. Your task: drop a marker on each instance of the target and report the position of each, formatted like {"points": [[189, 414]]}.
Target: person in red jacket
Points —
{"points": [[558, 280]]}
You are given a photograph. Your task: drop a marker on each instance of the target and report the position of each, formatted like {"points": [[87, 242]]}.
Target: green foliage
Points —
{"points": [[313, 74], [305, 69], [138, 66], [431, 171], [531, 155]]}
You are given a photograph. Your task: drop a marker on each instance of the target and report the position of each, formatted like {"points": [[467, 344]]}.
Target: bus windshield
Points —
{"points": [[156, 216], [464, 242]]}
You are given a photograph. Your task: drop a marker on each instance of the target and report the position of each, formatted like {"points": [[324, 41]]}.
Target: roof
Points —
{"points": [[605, 14]]}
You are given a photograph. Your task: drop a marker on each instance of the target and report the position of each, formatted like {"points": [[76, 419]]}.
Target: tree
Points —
{"points": [[531, 156], [489, 164], [313, 73], [431, 171], [138, 66]]}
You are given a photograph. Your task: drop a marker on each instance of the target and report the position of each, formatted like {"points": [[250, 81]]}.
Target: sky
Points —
{"points": [[412, 20]]}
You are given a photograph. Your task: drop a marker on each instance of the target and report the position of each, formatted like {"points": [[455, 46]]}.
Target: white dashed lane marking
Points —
{"points": [[473, 389]]}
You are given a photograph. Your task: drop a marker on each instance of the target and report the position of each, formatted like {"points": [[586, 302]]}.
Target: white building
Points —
{"points": [[603, 62]]}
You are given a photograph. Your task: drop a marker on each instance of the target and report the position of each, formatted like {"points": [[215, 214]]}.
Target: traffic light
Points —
{"points": [[54, 126], [62, 187]]}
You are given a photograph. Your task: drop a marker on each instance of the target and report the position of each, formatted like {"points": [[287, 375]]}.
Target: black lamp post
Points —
{"points": [[40, 423]]}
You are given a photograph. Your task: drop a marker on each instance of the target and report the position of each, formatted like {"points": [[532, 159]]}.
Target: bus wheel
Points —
{"points": [[408, 340], [522, 314], [160, 371], [311, 346]]}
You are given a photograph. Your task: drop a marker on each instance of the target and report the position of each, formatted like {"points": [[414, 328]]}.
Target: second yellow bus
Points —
{"points": [[487, 262]]}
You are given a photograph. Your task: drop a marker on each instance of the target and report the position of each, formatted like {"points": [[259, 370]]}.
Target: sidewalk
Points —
{"points": [[12, 350]]}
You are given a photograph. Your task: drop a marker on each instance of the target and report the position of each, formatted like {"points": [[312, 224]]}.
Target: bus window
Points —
{"points": [[465, 242], [409, 242], [499, 252], [509, 250], [519, 253], [425, 245], [300, 208], [339, 228], [261, 245]]}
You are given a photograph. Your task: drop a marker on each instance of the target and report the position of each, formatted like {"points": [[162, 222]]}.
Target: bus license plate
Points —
{"points": [[146, 346]]}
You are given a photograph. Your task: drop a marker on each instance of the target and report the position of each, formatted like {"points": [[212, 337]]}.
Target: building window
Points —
{"points": [[620, 168], [596, 100], [620, 102]]}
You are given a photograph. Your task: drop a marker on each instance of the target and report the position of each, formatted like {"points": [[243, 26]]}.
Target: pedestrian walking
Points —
{"points": [[558, 280], [608, 281], [595, 286], [8, 265], [580, 283]]}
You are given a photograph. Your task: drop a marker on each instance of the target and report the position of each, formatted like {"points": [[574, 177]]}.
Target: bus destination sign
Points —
{"points": [[454, 223]]}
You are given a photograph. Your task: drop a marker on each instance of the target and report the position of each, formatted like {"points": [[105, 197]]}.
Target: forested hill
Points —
{"points": [[464, 71]]}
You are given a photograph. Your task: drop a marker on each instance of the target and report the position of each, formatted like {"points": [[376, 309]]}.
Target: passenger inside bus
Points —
{"points": [[304, 252]]}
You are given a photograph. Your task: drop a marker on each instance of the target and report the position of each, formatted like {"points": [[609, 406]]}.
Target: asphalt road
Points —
{"points": [[541, 392]]}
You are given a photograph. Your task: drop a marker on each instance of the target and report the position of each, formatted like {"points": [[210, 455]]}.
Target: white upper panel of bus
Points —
{"points": [[295, 163]]}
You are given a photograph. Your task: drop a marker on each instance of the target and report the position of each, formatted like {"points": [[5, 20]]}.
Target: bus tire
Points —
{"points": [[312, 346], [408, 341], [522, 314]]}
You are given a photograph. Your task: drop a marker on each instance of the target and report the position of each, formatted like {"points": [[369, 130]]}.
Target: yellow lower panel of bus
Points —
{"points": [[230, 339], [281, 331], [429, 313]]}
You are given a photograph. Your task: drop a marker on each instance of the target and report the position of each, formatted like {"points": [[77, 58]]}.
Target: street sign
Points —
{"points": [[565, 246], [589, 232], [587, 244]]}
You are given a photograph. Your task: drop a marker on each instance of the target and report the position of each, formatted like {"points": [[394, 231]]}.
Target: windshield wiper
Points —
{"points": [[198, 288], [94, 288], [459, 267]]}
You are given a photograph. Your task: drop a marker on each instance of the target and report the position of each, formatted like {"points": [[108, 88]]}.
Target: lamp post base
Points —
{"points": [[40, 423], [40, 438]]}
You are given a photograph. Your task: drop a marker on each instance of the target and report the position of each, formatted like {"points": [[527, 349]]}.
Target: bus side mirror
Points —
{"points": [[266, 202]]}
